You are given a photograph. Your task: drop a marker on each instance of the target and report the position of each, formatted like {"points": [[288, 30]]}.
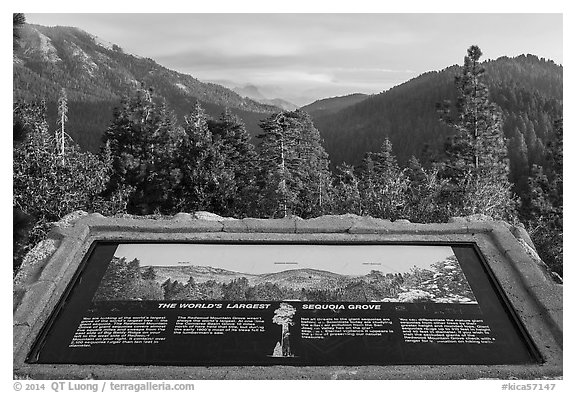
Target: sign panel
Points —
{"points": [[282, 304]]}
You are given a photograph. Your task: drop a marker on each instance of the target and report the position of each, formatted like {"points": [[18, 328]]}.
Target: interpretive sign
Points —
{"points": [[283, 303]]}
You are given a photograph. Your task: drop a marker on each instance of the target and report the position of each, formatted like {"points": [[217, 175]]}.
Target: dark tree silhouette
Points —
{"points": [[476, 163], [141, 141]]}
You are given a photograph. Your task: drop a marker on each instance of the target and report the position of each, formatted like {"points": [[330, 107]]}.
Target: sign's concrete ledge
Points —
{"points": [[533, 292]]}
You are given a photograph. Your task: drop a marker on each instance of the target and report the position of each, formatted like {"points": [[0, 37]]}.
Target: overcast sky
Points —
{"points": [[261, 259], [303, 57]]}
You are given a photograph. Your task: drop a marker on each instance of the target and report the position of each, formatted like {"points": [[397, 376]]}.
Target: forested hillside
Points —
{"points": [[526, 88], [407, 119], [96, 74], [252, 92], [442, 282], [332, 105], [170, 145]]}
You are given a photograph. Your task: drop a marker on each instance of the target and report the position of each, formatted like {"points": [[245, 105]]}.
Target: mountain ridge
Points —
{"points": [[332, 105], [442, 282], [252, 92], [528, 89], [96, 74], [301, 278]]}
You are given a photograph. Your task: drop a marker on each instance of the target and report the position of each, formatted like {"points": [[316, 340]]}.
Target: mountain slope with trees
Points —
{"points": [[97, 74], [526, 88], [156, 160], [332, 105], [441, 282], [252, 92]]}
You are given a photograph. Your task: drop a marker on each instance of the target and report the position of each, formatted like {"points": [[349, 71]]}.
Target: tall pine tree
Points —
{"points": [[383, 184], [240, 159], [48, 183], [205, 182], [278, 194], [476, 161], [62, 119], [141, 142], [317, 178], [294, 176]]}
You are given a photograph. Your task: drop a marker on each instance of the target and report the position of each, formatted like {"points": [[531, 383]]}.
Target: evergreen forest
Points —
{"points": [[152, 161], [442, 282]]}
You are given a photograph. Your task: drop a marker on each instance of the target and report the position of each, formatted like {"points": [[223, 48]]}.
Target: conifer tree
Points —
{"points": [[240, 159], [284, 316], [62, 119], [476, 163], [206, 183], [542, 209], [345, 192], [188, 291], [45, 187], [149, 273], [294, 175], [141, 141], [424, 199], [277, 194], [519, 164], [317, 177], [383, 184]]}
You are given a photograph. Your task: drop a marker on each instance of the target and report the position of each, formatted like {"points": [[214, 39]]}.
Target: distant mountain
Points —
{"points": [[295, 279], [96, 74], [305, 278], [249, 91], [280, 103], [441, 282], [444, 282], [332, 105], [252, 92], [527, 89], [201, 274]]}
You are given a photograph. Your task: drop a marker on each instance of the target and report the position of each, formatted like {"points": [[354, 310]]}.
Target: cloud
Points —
{"points": [[318, 54]]}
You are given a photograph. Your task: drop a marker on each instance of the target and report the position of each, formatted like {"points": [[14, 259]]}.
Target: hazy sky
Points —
{"points": [[260, 259], [303, 57]]}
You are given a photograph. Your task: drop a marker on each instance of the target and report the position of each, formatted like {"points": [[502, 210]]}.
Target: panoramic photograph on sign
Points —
{"points": [[309, 273], [293, 304]]}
